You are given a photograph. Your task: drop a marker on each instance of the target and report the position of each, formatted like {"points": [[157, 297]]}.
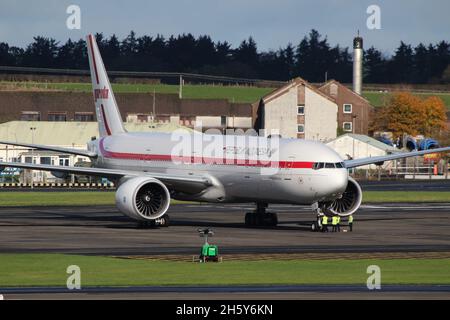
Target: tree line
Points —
{"points": [[313, 58]]}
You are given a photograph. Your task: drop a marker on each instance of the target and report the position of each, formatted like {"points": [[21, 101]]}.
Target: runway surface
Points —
{"points": [[378, 229], [232, 292], [104, 231]]}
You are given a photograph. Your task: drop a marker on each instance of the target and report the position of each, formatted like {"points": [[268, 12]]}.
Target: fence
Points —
{"points": [[57, 185], [421, 171]]}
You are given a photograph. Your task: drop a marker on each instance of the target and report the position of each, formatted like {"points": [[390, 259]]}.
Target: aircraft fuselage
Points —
{"points": [[281, 172]]}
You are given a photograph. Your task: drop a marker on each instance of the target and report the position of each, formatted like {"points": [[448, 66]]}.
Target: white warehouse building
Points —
{"points": [[62, 134], [360, 146]]}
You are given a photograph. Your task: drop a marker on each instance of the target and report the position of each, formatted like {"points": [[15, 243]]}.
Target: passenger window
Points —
{"points": [[338, 165], [320, 165], [329, 165]]}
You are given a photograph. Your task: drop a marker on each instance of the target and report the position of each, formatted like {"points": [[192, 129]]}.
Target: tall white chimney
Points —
{"points": [[357, 63]]}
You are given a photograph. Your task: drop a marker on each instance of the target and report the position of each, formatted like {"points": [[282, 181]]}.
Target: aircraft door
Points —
{"points": [[289, 166]]}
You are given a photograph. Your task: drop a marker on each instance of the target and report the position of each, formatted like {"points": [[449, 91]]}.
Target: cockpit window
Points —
{"points": [[328, 165]]}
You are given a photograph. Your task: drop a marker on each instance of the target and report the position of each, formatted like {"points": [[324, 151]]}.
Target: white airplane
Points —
{"points": [[148, 174]]}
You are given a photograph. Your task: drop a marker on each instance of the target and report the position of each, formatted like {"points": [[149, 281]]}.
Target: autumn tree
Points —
{"points": [[402, 115], [435, 116], [406, 113]]}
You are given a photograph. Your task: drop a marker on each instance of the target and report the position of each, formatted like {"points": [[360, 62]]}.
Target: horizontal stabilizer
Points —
{"points": [[78, 152], [176, 182]]}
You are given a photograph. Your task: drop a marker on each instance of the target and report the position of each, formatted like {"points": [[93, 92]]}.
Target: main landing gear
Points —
{"points": [[317, 225], [260, 217], [163, 221]]}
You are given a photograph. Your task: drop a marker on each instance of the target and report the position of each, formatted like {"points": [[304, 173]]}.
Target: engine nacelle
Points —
{"points": [[143, 198], [349, 202]]}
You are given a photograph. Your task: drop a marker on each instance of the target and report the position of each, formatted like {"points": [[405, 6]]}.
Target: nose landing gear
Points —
{"points": [[260, 217]]}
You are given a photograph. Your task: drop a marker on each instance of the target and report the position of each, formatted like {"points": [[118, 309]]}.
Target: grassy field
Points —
{"points": [[87, 198], [50, 270], [59, 198], [379, 98], [406, 196], [232, 93]]}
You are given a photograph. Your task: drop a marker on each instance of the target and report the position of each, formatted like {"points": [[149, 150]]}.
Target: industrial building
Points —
{"points": [[298, 110], [360, 146], [62, 134]]}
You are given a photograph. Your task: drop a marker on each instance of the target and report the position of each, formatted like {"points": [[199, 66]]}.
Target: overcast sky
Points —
{"points": [[272, 23]]}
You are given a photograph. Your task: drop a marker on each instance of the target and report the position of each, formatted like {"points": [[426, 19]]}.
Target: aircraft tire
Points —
{"points": [[273, 219], [248, 219], [165, 221], [146, 224], [251, 219]]}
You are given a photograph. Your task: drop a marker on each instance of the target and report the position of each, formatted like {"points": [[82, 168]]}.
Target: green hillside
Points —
{"points": [[378, 99], [232, 93]]}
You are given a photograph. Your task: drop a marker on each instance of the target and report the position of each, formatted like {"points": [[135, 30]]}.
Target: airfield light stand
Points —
{"points": [[154, 106], [72, 178], [180, 92], [204, 233], [209, 252], [32, 153]]}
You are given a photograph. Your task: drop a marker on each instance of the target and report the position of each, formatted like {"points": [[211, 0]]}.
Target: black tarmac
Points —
{"points": [[378, 229]]}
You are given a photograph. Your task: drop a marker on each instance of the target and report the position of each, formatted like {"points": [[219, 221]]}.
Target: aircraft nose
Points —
{"points": [[337, 182], [341, 180]]}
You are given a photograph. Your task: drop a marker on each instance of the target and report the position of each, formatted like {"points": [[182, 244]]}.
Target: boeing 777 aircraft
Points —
{"points": [[148, 175]]}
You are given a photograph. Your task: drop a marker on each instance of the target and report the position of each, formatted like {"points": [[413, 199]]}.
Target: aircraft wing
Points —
{"points": [[375, 160], [78, 152], [190, 184]]}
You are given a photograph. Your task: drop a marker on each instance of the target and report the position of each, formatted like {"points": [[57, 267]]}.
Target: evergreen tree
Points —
{"points": [[247, 53], [66, 55], [401, 65], [374, 66], [422, 64], [311, 59], [41, 53], [6, 57]]}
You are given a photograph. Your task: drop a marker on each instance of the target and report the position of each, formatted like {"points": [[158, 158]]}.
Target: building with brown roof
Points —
{"points": [[354, 111], [297, 110]]}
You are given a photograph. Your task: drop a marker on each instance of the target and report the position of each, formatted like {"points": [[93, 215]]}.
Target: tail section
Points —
{"points": [[108, 115]]}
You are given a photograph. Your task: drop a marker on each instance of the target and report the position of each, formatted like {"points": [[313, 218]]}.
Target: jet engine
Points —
{"points": [[143, 198], [348, 203]]}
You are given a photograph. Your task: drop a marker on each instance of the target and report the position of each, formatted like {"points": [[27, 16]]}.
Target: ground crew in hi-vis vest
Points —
{"points": [[334, 223], [324, 223], [338, 224], [350, 222]]}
